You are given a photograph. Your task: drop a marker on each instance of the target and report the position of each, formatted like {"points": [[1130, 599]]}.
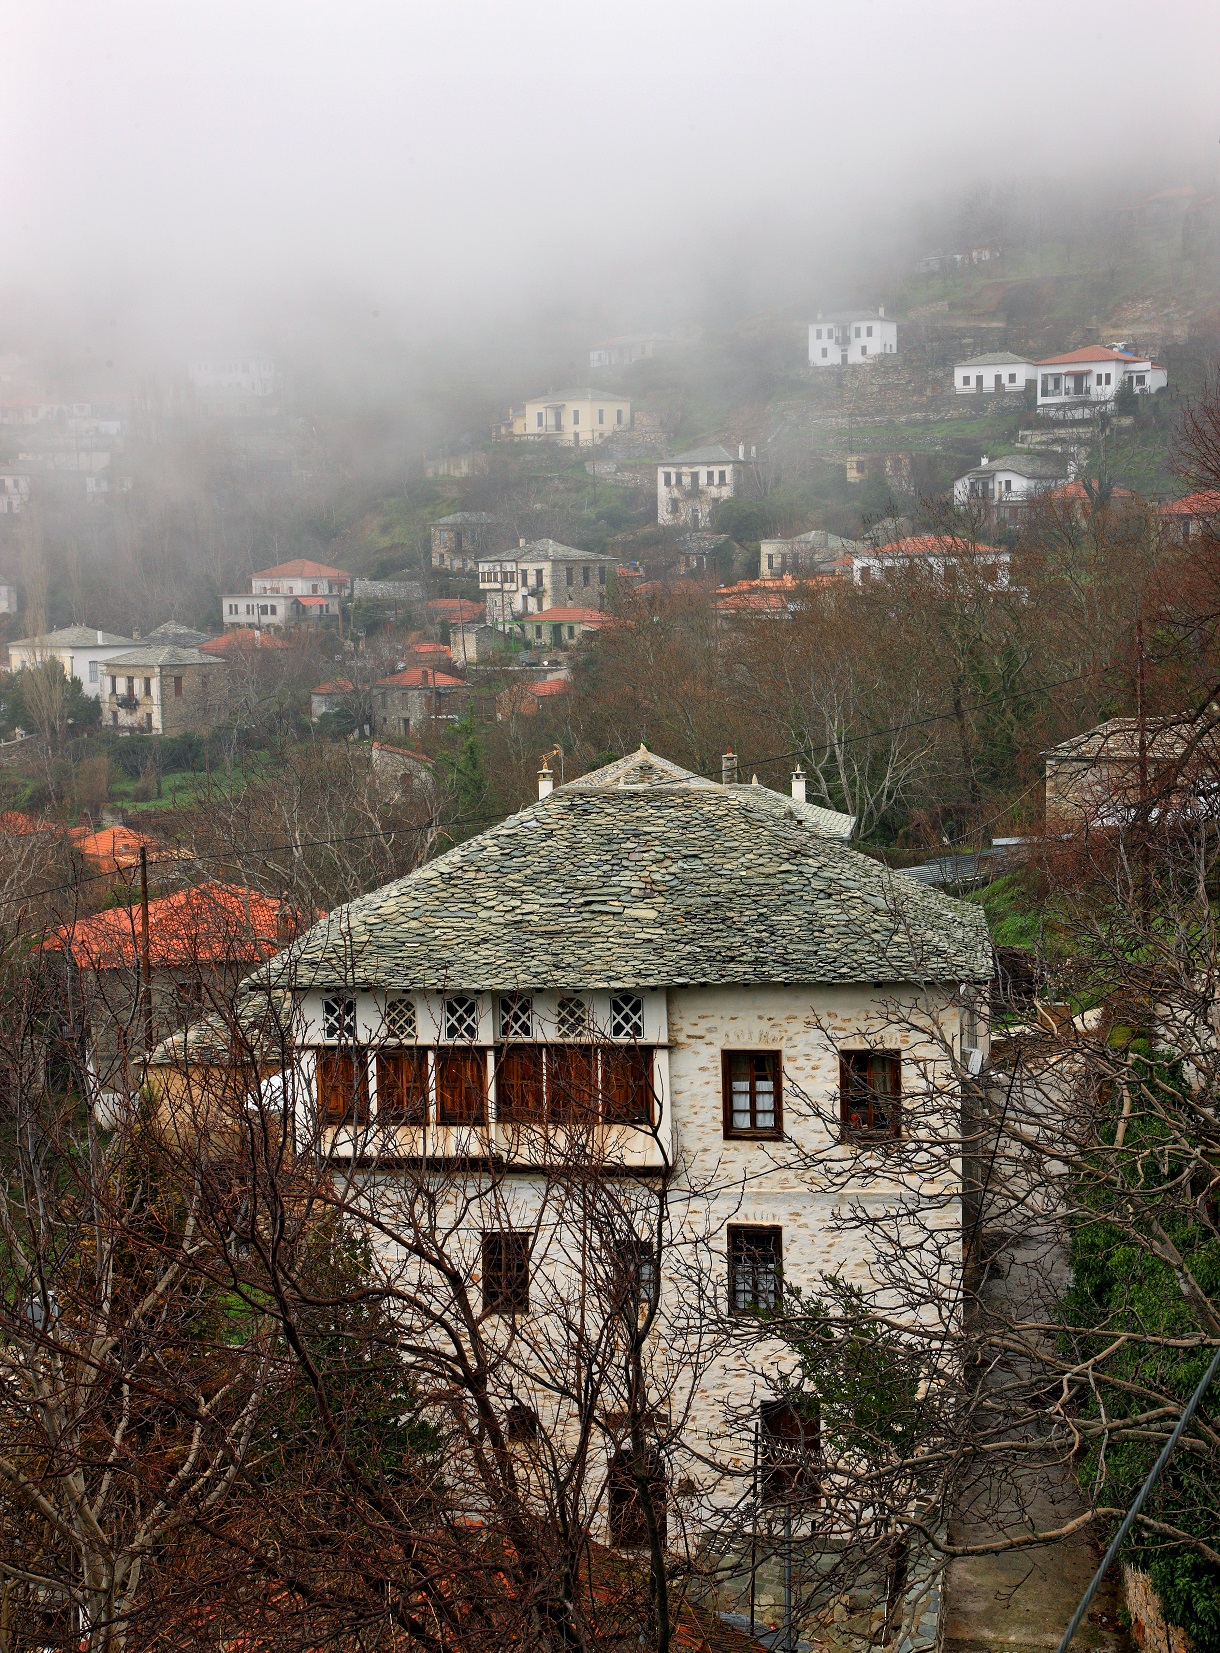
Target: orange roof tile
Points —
{"points": [[303, 568], [575, 616], [18, 825], [115, 847], [420, 677], [208, 924], [244, 638], [1204, 502], [1090, 353]]}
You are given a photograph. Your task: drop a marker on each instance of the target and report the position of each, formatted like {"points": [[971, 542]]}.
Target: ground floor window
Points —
{"points": [[631, 1493], [755, 1268], [870, 1093]]}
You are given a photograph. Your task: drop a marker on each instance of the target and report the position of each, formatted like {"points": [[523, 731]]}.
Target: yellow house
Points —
{"points": [[573, 418]]}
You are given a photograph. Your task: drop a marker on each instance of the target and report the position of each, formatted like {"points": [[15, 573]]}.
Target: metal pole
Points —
{"points": [[754, 1535], [145, 957], [1128, 1521], [789, 1644]]}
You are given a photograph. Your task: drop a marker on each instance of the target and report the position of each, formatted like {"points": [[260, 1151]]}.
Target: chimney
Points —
{"points": [[546, 780], [99, 635], [819, 316], [798, 784], [728, 769], [881, 310], [521, 545], [741, 450]]}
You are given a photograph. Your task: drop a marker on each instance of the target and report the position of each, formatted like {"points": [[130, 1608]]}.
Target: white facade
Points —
{"points": [[1084, 378], [691, 485], [1000, 373], [851, 337], [542, 574], [82, 651], [1011, 478], [14, 492]]}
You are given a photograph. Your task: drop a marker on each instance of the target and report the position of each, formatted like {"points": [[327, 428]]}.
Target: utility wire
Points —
{"points": [[1128, 1521]]}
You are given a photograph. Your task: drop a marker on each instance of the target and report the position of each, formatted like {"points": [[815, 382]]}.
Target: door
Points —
{"points": [[999, 381]]}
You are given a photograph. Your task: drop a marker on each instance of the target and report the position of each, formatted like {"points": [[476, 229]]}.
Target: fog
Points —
{"points": [[171, 170]]}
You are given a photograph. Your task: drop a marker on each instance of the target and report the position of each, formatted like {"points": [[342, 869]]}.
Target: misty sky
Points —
{"points": [[427, 153]]}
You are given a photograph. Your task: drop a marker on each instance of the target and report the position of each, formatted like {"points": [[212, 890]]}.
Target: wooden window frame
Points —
{"points": [[525, 1055], [790, 1453], [632, 1102], [391, 1084], [355, 1085], [868, 1133], [452, 1057], [735, 1255], [627, 1522], [502, 1295], [753, 1133], [610, 1093]]}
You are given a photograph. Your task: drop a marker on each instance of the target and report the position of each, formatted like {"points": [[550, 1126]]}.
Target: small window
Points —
{"points": [[148, 721], [576, 416], [538, 420], [338, 1020], [586, 575], [868, 332], [516, 1016], [724, 477], [751, 1082], [711, 479], [1012, 378], [114, 685], [93, 671], [819, 333], [147, 688], [825, 353], [461, 1018], [572, 1019], [177, 688], [870, 1091], [626, 1016], [343, 1086], [668, 478], [601, 575], [789, 1450], [857, 332], [601, 416], [625, 1498], [401, 1026], [966, 380], [569, 576], [402, 1086], [755, 1269], [618, 416], [506, 1272], [461, 1086]]}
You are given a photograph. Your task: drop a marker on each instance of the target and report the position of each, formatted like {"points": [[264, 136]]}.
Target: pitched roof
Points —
{"points": [[715, 455], [208, 924], [455, 608], [1041, 466], [161, 654], [338, 685], [244, 638], [576, 616], [420, 677], [461, 517], [549, 687], [582, 393], [1090, 353], [997, 358], [1118, 737], [549, 551], [637, 875], [930, 545], [74, 637], [18, 825], [170, 631], [115, 847], [303, 568], [1204, 502]]}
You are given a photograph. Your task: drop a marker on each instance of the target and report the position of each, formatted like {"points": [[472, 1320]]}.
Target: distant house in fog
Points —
{"points": [[14, 492], [297, 592], [460, 539], [816, 552], [999, 373], [691, 485], [630, 347], [851, 336], [238, 389], [571, 418]]}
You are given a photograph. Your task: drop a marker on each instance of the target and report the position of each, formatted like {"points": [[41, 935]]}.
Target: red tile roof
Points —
{"points": [[339, 686], [1204, 502], [455, 608], [303, 569], [244, 638], [1090, 353], [118, 847], [209, 924], [18, 825], [548, 687], [420, 677], [925, 545]]}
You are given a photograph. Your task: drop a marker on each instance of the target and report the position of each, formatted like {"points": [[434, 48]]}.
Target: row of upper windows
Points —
{"points": [[540, 418], [255, 608], [978, 380], [517, 1017], [149, 692], [673, 479], [832, 333]]}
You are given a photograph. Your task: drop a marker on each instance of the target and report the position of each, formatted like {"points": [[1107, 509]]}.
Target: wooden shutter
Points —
{"points": [[402, 1087], [461, 1086]]}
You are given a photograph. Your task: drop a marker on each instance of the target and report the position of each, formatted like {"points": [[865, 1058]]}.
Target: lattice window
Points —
{"points": [[400, 1022], [338, 1020], [516, 1017], [462, 1018], [627, 1016], [572, 1019]]}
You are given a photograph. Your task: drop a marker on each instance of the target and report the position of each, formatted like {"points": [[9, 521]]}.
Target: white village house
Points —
{"points": [[295, 592], [852, 336], [691, 485], [998, 373], [1079, 379], [82, 651], [762, 1019], [1012, 477], [571, 418]]}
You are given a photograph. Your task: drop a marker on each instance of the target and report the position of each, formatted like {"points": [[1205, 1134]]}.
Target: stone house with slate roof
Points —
{"points": [[748, 998]]}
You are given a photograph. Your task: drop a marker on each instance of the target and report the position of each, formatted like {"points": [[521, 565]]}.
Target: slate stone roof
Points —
{"points": [[632, 877], [73, 637], [715, 455], [159, 654], [997, 358]]}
